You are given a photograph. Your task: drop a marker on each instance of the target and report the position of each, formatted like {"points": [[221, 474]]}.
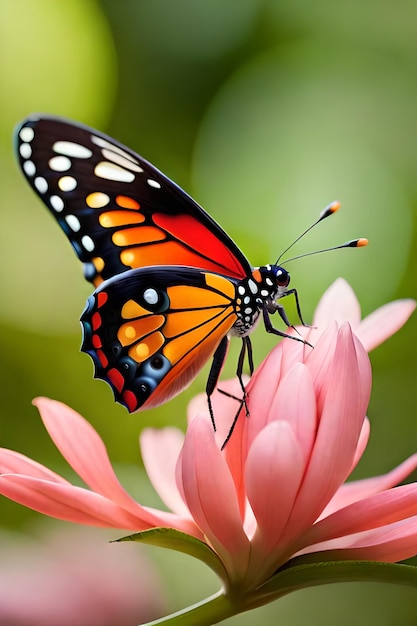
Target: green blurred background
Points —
{"points": [[265, 112]]}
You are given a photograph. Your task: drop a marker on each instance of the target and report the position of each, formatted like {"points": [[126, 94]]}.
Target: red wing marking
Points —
{"points": [[116, 378], [192, 233]]}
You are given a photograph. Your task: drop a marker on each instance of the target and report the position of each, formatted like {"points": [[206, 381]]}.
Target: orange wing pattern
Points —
{"points": [[118, 211], [150, 330]]}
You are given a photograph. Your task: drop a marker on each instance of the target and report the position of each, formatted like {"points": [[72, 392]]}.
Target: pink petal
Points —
{"points": [[210, 495], [376, 511], [362, 443], [225, 411], [274, 470], [15, 463], [359, 489], [389, 544], [320, 359], [384, 322], [69, 503], [339, 303], [344, 398], [160, 451], [85, 452], [295, 402], [262, 388]]}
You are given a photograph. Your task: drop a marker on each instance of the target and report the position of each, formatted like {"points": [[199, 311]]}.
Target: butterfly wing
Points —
{"points": [[150, 330], [117, 210]]}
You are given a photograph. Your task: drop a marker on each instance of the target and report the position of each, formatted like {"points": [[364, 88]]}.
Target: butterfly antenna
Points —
{"points": [[329, 210], [353, 243]]}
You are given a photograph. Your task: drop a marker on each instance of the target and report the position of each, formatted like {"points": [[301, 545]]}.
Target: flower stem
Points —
{"points": [[211, 610]]}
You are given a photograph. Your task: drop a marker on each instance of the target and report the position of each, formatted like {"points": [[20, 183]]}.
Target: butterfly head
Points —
{"points": [[282, 280], [273, 281]]}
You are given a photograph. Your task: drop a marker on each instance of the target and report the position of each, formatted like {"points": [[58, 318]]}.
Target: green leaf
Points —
{"points": [[300, 576], [177, 540]]}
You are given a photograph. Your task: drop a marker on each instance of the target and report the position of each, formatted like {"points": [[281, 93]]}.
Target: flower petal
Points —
{"points": [[344, 401], [384, 322], [16, 463], [295, 402], [274, 470], [67, 502], [339, 303], [85, 452], [211, 497], [359, 489], [390, 544], [376, 511], [160, 451], [362, 443]]}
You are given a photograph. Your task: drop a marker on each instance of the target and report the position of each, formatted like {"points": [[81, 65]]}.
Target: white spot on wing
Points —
{"points": [[60, 163], [71, 149], [25, 150], [252, 286], [102, 143], [88, 243], [153, 183], [73, 222], [41, 184], [29, 168], [57, 203], [150, 296], [27, 134], [121, 160], [110, 171], [67, 183]]}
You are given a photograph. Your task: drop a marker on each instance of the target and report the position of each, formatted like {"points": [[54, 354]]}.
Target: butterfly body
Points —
{"points": [[171, 286]]}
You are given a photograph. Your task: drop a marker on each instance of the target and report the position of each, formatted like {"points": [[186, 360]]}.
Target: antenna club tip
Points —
{"points": [[330, 209], [362, 242]]}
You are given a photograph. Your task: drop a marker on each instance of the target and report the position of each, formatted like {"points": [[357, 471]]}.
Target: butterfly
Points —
{"points": [[171, 287]]}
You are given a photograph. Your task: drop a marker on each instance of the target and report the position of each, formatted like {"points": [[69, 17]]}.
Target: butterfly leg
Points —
{"points": [[273, 307], [218, 360], [246, 349], [297, 304]]}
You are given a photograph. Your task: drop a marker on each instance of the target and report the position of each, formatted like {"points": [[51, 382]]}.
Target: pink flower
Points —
{"points": [[75, 577], [277, 492]]}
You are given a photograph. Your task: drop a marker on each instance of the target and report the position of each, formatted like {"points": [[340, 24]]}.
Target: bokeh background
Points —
{"points": [[265, 111]]}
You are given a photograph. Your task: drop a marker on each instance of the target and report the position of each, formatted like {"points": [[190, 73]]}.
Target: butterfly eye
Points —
{"points": [[282, 277]]}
